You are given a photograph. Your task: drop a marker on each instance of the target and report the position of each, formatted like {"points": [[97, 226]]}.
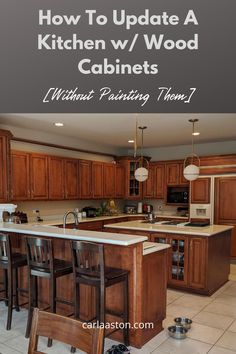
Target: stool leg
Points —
{"points": [[10, 298], [126, 311], [6, 286], [77, 300], [102, 303], [32, 284], [16, 290], [52, 295]]}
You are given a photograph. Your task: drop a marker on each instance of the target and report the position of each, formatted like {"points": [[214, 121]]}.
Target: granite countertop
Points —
{"points": [[201, 231]]}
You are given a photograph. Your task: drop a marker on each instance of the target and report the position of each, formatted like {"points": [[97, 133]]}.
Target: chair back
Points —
{"points": [[39, 253], [5, 248], [88, 259], [66, 330]]}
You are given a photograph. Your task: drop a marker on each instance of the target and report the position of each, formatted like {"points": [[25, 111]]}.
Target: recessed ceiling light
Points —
{"points": [[59, 124], [130, 141], [196, 133]]}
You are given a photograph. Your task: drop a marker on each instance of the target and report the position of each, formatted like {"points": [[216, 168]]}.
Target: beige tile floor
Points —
{"points": [[213, 330]]}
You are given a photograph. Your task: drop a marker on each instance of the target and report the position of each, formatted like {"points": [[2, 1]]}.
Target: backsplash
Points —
{"points": [[55, 209]]}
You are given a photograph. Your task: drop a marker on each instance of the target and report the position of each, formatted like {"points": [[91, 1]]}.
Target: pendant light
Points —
{"points": [[141, 173], [192, 170]]}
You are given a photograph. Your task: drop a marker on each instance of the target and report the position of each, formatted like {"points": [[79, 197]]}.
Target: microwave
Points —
{"points": [[177, 195]]}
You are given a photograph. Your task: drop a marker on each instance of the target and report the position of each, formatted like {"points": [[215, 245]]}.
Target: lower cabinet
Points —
{"points": [[178, 257], [197, 262], [187, 262]]}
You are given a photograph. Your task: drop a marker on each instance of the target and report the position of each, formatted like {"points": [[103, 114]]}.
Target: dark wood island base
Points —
{"points": [[147, 287]]}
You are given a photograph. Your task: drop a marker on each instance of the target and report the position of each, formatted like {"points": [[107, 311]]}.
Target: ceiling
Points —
{"points": [[114, 130]]}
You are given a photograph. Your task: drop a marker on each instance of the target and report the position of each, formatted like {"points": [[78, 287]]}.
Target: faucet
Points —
{"points": [[75, 218]]}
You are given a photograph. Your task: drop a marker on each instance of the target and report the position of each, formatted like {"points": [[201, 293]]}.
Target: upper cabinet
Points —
{"points": [[160, 181], [97, 179], [174, 174], [200, 190], [85, 179], [71, 179], [20, 170], [109, 175], [5, 137], [149, 188], [56, 178], [29, 178], [119, 181]]}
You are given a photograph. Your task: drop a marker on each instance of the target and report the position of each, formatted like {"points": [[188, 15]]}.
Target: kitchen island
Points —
{"points": [[145, 261], [199, 257]]}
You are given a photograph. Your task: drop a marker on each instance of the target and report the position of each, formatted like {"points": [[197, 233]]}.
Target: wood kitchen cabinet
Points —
{"points": [[200, 190], [177, 259], [119, 181], [85, 179], [109, 171], [5, 137], [56, 178], [174, 174], [133, 188], [149, 187], [71, 179], [29, 178], [38, 176], [160, 181], [20, 173], [197, 262], [225, 206], [97, 179]]}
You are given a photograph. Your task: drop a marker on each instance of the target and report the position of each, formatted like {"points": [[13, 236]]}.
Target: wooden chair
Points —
{"points": [[66, 330], [10, 262], [89, 268], [41, 263]]}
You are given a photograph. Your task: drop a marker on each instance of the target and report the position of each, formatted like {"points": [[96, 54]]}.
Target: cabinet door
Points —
{"points": [[20, 175], [225, 205], [56, 178], [182, 179], [134, 186], [4, 165], [178, 265], [39, 176], [85, 179], [97, 179], [108, 180], [71, 179], [120, 181], [197, 263], [160, 181], [149, 184], [200, 190], [172, 174]]}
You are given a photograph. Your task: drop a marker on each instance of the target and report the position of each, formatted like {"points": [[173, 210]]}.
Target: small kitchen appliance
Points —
{"points": [[9, 208], [147, 208], [90, 211]]}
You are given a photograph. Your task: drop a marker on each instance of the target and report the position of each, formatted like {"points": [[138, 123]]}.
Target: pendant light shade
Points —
{"points": [[191, 171], [141, 174]]}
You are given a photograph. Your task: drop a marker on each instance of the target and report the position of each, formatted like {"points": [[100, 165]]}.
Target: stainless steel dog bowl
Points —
{"points": [[185, 322], [177, 331]]}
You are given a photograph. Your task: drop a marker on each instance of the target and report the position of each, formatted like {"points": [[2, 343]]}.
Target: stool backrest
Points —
{"points": [[66, 330], [88, 259], [39, 253], [5, 248]]}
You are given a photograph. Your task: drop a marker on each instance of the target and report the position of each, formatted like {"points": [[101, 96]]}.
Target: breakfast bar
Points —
{"points": [[145, 261]]}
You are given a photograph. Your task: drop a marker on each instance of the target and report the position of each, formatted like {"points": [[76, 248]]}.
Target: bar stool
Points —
{"points": [[89, 268], [41, 263], [10, 262]]}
